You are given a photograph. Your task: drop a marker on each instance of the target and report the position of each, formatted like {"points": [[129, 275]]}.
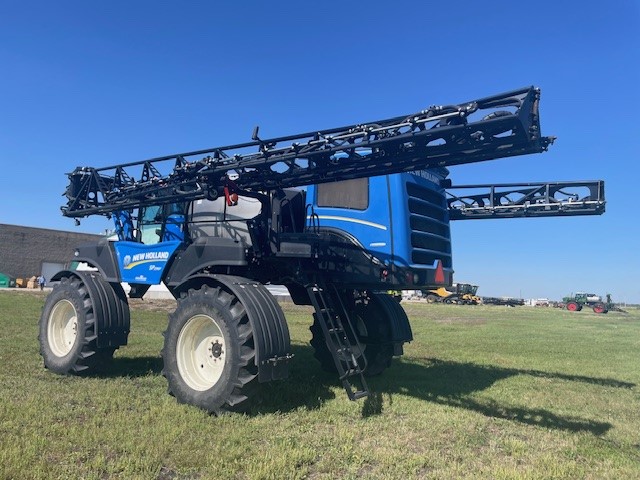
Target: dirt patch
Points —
{"points": [[153, 305], [461, 320]]}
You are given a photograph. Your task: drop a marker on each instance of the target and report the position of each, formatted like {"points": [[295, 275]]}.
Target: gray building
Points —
{"points": [[28, 251]]}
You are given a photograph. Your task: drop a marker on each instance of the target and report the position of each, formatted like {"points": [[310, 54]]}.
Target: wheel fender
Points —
{"points": [[398, 320], [100, 255], [64, 273], [270, 331]]}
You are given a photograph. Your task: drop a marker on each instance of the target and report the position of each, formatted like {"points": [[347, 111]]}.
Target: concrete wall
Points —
{"points": [[24, 249]]}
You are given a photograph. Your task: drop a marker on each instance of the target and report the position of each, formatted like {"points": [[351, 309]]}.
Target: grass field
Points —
{"points": [[482, 392]]}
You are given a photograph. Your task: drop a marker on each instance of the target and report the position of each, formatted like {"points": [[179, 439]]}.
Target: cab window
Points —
{"points": [[150, 224], [353, 194]]}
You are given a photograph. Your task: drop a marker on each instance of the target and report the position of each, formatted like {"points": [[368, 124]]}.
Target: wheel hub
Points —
{"points": [[216, 350]]}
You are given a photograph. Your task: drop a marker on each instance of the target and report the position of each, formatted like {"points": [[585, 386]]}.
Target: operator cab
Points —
{"points": [[164, 223]]}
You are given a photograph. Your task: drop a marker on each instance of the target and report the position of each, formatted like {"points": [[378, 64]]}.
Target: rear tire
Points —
{"points": [[432, 298], [209, 354], [67, 330], [374, 334]]}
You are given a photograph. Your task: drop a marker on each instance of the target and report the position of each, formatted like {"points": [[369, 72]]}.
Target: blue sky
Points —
{"points": [[99, 83]]}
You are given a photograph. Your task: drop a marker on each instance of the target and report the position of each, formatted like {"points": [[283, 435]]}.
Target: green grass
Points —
{"points": [[482, 392]]}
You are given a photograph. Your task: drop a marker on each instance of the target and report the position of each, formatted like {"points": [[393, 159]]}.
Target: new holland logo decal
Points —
{"points": [[147, 257]]}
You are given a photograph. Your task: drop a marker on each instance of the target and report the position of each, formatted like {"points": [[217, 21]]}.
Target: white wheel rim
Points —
{"points": [[62, 329], [201, 352]]}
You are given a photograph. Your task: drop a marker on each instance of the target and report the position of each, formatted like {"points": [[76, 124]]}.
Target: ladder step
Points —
{"points": [[330, 314], [360, 394], [355, 393], [352, 372]]}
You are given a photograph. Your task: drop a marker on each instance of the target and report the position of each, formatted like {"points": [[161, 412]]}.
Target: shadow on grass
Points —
{"points": [[452, 383], [133, 367], [438, 381], [307, 387]]}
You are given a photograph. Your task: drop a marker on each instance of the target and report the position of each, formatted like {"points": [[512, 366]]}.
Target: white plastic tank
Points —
{"points": [[216, 219]]}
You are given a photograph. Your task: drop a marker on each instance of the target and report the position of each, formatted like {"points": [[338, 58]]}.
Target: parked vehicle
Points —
{"points": [[338, 216], [575, 303]]}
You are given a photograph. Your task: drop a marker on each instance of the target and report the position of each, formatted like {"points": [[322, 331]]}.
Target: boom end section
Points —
{"points": [[512, 200], [83, 191]]}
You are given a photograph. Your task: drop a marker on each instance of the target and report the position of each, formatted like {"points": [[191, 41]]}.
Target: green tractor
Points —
{"points": [[575, 302]]}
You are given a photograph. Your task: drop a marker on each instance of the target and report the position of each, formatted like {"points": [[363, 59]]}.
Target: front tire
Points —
{"points": [[67, 330], [600, 308], [209, 355], [431, 298]]}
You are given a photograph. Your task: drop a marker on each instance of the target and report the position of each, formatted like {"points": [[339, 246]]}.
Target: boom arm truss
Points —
{"points": [[513, 200], [494, 127]]}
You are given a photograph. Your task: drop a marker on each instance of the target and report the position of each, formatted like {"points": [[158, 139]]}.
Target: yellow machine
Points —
{"points": [[439, 295], [467, 293], [464, 294]]}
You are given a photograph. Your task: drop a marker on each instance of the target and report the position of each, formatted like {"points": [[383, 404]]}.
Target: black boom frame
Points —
{"points": [[493, 127]]}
